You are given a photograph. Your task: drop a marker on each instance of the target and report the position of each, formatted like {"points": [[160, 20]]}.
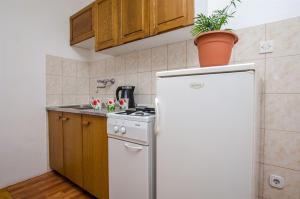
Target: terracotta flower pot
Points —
{"points": [[215, 47]]}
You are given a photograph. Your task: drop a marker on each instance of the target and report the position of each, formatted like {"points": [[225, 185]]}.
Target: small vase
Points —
{"points": [[111, 108]]}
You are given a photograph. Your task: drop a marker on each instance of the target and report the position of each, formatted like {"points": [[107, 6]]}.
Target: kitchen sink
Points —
{"points": [[84, 108], [79, 107]]}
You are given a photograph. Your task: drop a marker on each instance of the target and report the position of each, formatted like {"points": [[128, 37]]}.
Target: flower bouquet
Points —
{"points": [[123, 103], [96, 104], [111, 105]]}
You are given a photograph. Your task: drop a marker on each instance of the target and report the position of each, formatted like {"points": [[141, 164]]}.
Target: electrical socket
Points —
{"points": [[276, 181], [266, 47]]}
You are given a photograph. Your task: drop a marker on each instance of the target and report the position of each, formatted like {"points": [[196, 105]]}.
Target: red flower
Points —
{"points": [[94, 102], [121, 102], [98, 100]]}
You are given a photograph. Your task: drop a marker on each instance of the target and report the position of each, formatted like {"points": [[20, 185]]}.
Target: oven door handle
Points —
{"points": [[137, 148]]}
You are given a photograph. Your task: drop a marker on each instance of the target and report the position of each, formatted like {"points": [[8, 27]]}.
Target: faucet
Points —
{"points": [[105, 83]]}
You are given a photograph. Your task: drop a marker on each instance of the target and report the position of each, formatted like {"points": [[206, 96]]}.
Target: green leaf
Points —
{"points": [[215, 21]]}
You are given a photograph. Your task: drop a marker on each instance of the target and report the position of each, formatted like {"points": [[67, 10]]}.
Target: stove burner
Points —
{"points": [[139, 113], [129, 111]]}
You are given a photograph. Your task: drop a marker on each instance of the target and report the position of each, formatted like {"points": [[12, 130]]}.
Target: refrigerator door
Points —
{"points": [[128, 170], [205, 136]]}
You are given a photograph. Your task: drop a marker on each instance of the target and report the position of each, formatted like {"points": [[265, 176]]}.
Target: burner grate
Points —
{"points": [[138, 111]]}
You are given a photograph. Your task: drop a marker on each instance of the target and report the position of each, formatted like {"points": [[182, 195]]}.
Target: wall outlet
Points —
{"points": [[266, 47], [276, 181]]}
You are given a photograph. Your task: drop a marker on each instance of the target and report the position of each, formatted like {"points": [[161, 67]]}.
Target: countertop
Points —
{"points": [[101, 112]]}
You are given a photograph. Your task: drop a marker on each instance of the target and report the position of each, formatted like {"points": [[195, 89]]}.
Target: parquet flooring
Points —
{"points": [[47, 186]]}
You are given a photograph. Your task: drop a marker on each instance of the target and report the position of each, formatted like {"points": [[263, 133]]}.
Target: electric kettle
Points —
{"points": [[126, 92]]}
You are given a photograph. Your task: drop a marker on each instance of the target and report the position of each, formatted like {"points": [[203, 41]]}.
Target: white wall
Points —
{"points": [[29, 30], [255, 12]]}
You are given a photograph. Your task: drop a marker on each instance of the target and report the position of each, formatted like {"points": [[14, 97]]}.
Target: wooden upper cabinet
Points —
{"points": [[73, 147], [95, 155], [115, 22], [106, 24], [56, 141], [134, 19], [82, 25], [170, 14]]}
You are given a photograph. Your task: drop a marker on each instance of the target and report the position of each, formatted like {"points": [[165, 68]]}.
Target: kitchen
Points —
{"points": [[41, 67]]}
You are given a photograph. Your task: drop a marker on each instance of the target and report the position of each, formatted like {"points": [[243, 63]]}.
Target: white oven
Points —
{"points": [[131, 157]]}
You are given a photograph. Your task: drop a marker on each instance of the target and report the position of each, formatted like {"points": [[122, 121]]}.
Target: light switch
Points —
{"points": [[266, 47]]}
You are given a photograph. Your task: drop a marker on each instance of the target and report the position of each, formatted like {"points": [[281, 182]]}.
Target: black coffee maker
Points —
{"points": [[126, 92]]}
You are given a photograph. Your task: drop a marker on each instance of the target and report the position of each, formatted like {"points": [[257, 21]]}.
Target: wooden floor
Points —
{"points": [[49, 185]]}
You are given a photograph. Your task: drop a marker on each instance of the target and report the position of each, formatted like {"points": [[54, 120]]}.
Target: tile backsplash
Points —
{"points": [[67, 81], [70, 81], [139, 68]]}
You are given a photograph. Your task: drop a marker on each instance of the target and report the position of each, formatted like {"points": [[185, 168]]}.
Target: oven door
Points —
{"points": [[129, 176]]}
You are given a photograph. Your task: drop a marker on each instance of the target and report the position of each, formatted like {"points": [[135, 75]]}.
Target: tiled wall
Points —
{"points": [[139, 68], [280, 71], [67, 81], [281, 102]]}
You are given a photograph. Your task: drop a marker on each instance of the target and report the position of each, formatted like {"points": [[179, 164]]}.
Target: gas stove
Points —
{"points": [[131, 147], [140, 113]]}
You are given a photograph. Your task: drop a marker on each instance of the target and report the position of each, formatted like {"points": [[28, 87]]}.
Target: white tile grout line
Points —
{"points": [[273, 165], [281, 131]]}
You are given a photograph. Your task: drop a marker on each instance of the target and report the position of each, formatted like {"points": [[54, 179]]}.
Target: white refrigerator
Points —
{"points": [[207, 130]]}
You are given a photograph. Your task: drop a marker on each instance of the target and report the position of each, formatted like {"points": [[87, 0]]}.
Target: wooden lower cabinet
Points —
{"points": [[73, 147], [78, 149], [56, 157], [95, 156]]}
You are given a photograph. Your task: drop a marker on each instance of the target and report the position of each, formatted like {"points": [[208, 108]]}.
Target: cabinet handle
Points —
{"points": [[85, 123], [64, 118], [59, 117], [133, 147]]}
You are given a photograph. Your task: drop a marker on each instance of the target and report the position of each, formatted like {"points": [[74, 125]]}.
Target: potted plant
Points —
{"points": [[215, 45]]}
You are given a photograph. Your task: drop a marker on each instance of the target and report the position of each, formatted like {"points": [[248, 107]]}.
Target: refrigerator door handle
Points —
{"points": [[156, 116]]}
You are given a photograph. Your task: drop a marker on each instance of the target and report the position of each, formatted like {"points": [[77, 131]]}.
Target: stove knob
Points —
{"points": [[123, 130], [116, 129]]}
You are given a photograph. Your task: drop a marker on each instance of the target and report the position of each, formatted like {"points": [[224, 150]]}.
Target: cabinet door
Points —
{"points": [[134, 19], [73, 147], [95, 155], [106, 24], [81, 25], [56, 157], [170, 14]]}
